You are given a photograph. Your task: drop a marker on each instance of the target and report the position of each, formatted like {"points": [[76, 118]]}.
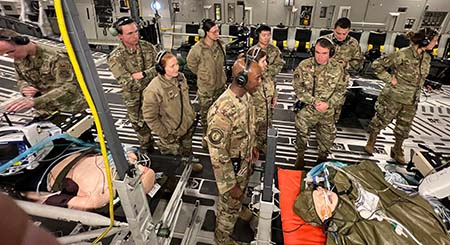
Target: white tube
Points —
{"points": [[58, 213]]}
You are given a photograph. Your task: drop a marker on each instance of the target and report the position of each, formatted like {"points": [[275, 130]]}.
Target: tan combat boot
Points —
{"points": [[197, 167], [322, 157], [300, 161], [371, 143], [397, 152]]}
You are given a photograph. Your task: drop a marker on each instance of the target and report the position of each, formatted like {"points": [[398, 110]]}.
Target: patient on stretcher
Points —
{"points": [[84, 186]]}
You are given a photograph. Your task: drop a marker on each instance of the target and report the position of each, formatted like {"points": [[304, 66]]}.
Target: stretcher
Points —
{"points": [[295, 230]]}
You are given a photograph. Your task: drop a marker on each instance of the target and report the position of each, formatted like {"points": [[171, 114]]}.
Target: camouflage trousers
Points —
{"points": [[264, 116], [338, 110], [141, 128], [309, 118], [387, 110], [205, 102], [228, 210], [181, 146]]}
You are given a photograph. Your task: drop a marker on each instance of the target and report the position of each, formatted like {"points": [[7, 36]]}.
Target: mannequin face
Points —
{"points": [[171, 67]]}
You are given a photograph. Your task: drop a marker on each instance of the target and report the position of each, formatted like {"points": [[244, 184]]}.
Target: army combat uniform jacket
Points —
{"points": [[208, 64], [50, 71], [313, 82], [167, 108], [410, 68], [123, 62], [231, 138], [348, 51]]}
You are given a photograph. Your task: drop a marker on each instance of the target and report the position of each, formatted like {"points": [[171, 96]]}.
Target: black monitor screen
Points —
{"points": [[192, 28], [377, 39], [325, 32], [280, 34], [303, 35], [233, 30]]}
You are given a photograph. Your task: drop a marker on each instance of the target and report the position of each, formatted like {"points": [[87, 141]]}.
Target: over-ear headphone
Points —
{"points": [[159, 68], [332, 49], [19, 40], [201, 31], [425, 40], [242, 77], [114, 29]]}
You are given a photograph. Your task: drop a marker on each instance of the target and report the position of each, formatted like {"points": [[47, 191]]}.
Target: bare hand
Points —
{"points": [[20, 105], [274, 102], [236, 193], [29, 91], [394, 81], [321, 106], [137, 75], [255, 155]]}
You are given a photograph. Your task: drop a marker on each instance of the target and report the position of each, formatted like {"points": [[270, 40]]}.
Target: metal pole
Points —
{"points": [[134, 11], [58, 213], [84, 57]]}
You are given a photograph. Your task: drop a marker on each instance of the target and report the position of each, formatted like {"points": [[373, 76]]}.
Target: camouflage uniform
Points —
{"points": [[50, 71], [208, 64], [230, 137], [168, 111], [123, 62], [263, 97], [330, 86], [399, 101], [350, 52]]}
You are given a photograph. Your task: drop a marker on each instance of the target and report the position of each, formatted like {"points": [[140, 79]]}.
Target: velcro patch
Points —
{"points": [[215, 136]]}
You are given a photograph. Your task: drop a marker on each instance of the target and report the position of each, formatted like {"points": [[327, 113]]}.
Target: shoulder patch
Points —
{"points": [[215, 136]]}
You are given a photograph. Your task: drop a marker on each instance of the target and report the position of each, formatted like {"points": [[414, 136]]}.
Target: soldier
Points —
{"points": [[262, 99], [132, 64], [348, 52], [231, 141], [409, 67], [207, 59], [44, 77], [167, 109], [274, 60], [319, 83]]}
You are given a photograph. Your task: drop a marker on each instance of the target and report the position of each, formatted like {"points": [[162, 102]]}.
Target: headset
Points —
{"points": [[253, 53], [114, 29], [428, 34], [18, 40], [159, 68], [242, 77], [332, 49], [201, 31]]}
